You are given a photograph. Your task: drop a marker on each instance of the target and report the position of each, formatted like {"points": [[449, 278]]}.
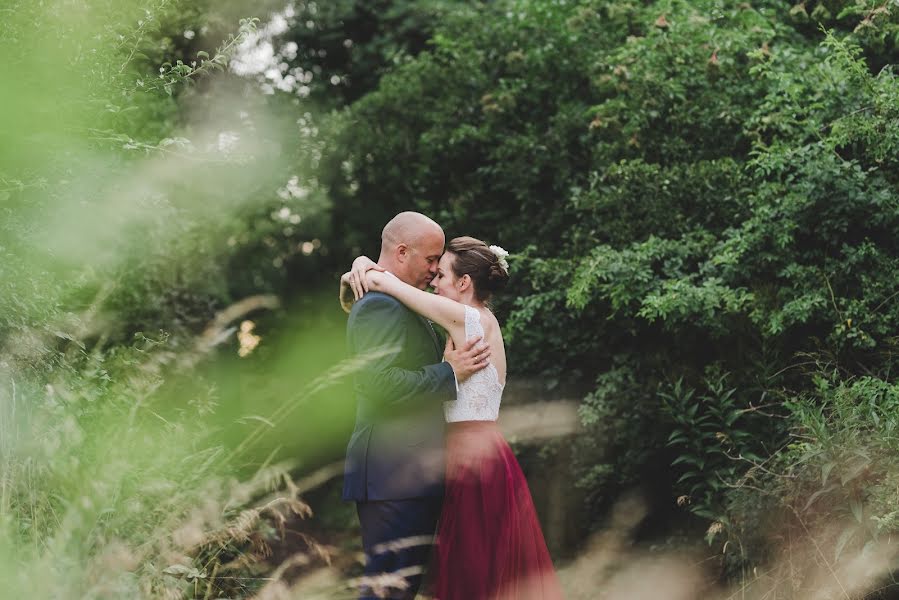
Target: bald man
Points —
{"points": [[395, 463]]}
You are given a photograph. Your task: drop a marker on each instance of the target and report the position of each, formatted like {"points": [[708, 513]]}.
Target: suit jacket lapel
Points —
{"points": [[432, 333]]}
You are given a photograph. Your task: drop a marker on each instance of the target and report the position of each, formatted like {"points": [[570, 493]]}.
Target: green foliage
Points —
{"points": [[686, 188], [836, 477], [129, 170], [715, 441], [337, 51], [624, 433], [852, 438]]}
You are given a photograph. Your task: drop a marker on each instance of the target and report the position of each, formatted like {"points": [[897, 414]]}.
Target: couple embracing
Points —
{"points": [[426, 455]]}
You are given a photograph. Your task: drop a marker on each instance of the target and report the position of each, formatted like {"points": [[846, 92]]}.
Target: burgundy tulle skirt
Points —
{"points": [[489, 542]]}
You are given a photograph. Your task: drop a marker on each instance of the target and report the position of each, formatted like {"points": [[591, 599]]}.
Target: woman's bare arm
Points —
{"points": [[447, 313]]}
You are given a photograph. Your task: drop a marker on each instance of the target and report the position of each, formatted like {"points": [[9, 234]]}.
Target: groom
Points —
{"points": [[394, 462]]}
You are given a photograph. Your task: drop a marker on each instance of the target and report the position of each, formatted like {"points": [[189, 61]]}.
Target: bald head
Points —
{"points": [[411, 245], [408, 228]]}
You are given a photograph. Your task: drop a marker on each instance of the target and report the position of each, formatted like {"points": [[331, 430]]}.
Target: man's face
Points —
{"points": [[423, 259]]}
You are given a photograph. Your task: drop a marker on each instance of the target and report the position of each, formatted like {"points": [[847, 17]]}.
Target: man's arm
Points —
{"points": [[378, 337]]}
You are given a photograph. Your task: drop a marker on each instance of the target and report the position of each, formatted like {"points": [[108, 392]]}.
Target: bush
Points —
{"points": [[687, 189]]}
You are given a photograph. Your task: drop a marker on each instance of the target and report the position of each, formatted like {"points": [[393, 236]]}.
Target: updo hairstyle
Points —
{"points": [[474, 258]]}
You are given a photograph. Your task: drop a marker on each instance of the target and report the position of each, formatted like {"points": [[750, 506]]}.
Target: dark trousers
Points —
{"points": [[397, 536]]}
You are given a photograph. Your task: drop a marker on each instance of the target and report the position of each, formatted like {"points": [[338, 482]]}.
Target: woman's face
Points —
{"points": [[444, 283]]}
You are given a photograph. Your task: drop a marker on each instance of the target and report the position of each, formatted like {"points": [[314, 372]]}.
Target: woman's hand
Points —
{"points": [[356, 276], [353, 287], [347, 295], [375, 280]]}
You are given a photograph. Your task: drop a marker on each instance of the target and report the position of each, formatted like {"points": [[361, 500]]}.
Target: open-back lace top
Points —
{"points": [[479, 396]]}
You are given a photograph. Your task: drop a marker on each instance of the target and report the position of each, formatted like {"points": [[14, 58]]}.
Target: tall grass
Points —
{"points": [[119, 204]]}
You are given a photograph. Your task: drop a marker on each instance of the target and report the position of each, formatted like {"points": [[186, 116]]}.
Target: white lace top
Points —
{"points": [[478, 397]]}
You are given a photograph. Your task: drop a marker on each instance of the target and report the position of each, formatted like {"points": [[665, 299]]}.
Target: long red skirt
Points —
{"points": [[489, 542]]}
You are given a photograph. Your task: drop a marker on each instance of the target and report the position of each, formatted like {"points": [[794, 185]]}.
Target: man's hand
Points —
{"points": [[468, 359]]}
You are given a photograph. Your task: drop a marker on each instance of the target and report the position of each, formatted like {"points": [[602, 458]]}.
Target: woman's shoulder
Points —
{"points": [[488, 320]]}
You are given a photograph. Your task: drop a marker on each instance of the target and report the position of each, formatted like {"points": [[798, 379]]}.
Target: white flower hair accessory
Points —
{"points": [[501, 255]]}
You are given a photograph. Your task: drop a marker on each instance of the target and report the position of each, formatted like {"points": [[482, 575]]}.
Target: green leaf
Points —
{"points": [[857, 469], [184, 572], [826, 468], [818, 494], [688, 475], [851, 10], [845, 537], [857, 509], [680, 440], [705, 513]]}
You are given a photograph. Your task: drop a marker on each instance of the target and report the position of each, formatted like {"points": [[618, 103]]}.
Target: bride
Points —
{"points": [[489, 542]]}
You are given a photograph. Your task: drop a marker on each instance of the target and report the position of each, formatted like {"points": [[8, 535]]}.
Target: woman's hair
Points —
{"points": [[472, 257]]}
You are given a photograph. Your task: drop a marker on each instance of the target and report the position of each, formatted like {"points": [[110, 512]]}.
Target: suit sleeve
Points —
{"points": [[378, 338]]}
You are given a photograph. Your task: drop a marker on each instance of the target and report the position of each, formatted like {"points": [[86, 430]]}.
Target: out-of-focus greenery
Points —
{"points": [[337, 51], [700, 197], [143, 190]]}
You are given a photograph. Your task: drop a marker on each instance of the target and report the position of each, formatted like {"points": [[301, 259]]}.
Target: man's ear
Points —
{"points": [[402, 253]]}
